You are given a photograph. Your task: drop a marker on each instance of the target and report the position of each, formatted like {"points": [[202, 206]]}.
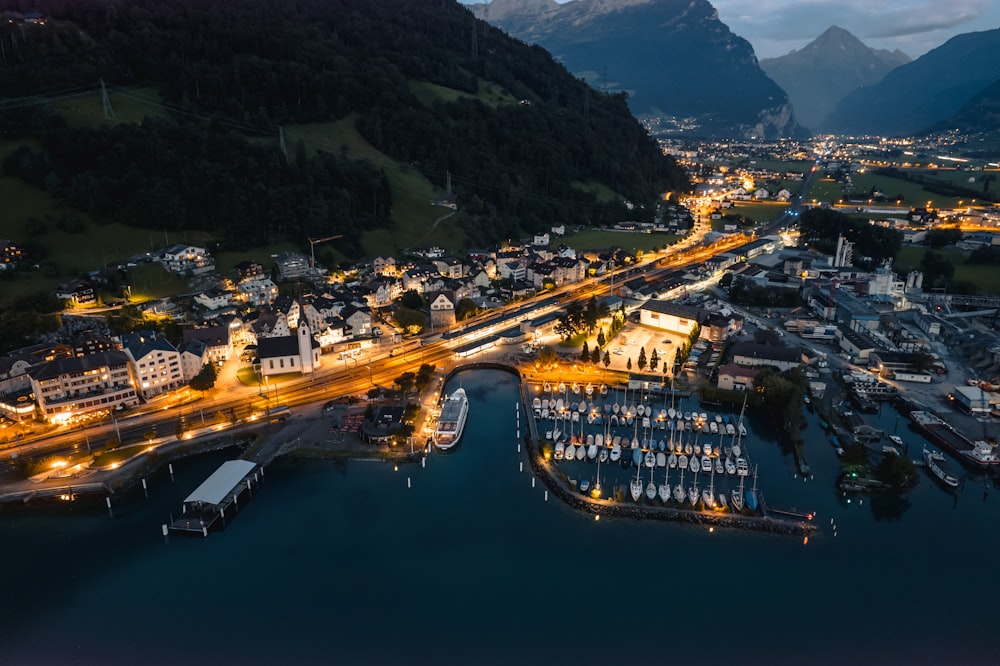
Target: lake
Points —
{"points": [[335, 563]]}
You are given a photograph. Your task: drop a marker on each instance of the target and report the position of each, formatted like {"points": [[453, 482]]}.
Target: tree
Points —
{"points": [[726, 280], [465, 308], [601, 339], [205, 379], [405, 382], [424, 375], [642, 358], [595, 356], [585, 353], [607, 359], [628, 364], [412, 299], [936, 268], [897, 471], [412, 321], [547, 356]]}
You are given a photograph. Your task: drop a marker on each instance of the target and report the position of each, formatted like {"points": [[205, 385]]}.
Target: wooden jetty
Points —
{"points": [[207, 505]]}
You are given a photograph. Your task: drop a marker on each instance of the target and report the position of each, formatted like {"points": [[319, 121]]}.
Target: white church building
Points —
{"points": [[298, 352]]}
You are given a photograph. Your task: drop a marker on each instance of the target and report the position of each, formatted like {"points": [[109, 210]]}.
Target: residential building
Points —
{"points": [[257, 291], [156, 364], [194, 355], [442, 310], [735, 378], [218, 340], [673, 317], [67, 388], [755, 355], [76, 292], [214, 299], [180, 259]]}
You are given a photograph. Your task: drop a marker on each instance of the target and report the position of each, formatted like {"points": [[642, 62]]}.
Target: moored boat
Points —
{"points": [[451, 422], [935, 462]]}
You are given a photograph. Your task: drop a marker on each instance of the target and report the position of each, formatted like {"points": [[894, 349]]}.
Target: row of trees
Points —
{"points": [[578, 319]]}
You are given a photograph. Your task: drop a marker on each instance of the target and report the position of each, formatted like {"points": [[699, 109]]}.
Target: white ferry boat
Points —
{"points": [[451, 423]]}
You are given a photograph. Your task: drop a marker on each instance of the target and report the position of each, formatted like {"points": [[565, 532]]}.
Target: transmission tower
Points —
{"points": [[475, 39], [109, 113]]}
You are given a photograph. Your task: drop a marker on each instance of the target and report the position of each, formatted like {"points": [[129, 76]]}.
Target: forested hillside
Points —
{"points": [[231, 73]]}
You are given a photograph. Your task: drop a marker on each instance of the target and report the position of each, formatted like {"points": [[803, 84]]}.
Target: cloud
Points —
{"points": [[776, 26]]}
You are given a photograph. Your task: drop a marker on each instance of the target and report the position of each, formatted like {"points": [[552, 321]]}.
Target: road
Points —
{"points": [[233, 403]]}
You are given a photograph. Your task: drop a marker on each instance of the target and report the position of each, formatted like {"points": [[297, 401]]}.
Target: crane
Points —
{"points": [[312, 247]]}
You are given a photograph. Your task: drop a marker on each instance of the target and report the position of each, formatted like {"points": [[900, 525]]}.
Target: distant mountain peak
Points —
{"points": [[822, 72]]}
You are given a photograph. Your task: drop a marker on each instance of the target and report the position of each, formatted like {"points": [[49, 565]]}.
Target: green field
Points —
{"points": [[986, 278], [759, 211], [489, 93], [593, 239], [912, 194], [823, 190], [413, 210], [601, 192]]}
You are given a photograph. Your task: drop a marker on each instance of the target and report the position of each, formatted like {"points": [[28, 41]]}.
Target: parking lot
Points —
{"points": [[633, 338]]}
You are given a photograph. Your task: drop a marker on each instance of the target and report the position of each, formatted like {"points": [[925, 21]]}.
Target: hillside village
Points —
{"points": [[293, 316]]}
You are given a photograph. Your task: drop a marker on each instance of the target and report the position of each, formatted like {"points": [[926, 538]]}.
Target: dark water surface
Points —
{"points": [[343, 564]]}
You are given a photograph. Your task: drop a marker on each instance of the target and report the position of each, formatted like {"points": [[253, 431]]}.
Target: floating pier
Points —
{"points": [[221, 491]]}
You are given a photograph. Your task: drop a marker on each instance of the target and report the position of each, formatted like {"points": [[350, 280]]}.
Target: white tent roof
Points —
{"points": [[223, 480]]}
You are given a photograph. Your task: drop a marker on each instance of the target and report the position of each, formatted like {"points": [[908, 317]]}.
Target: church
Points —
{"points": [[297, 352]]}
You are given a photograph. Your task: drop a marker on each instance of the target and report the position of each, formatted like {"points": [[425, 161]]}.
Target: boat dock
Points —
{"points": [[223, 490]]}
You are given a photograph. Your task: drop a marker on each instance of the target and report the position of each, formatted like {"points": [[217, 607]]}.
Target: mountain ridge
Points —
{"points": [[680, 65], [923, 92]]}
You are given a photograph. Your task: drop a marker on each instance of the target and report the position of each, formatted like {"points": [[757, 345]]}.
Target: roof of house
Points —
{"points": [[737, 370], [675, 309], [766, 352], [77, 364], [210, 335]]}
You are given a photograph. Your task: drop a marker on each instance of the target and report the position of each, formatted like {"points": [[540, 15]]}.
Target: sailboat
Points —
{"points": [[665, 486], [597, 484], [651, 487], [693, 493], [736, 497], [679, 489], [708, 494], [635, 487], [751, 495]]}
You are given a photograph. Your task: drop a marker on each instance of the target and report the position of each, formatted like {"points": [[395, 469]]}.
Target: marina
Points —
{"points": [[629, 429]]}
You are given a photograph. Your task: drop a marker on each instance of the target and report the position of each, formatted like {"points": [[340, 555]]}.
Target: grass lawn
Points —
{"points": [[912, 193], [823, 190], [413, 212], [602, 192], [986, 278], [759, 211], [489, 93], [593, 239]]}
